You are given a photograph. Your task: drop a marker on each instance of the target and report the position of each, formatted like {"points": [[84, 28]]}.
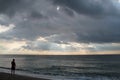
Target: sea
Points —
{"points": [[83, 67]]}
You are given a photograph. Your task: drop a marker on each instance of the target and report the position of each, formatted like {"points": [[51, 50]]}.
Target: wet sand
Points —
{"points": [[6, 76]]}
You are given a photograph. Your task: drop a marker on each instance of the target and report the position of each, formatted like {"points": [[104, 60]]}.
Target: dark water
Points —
{"points": [[104, 67]]}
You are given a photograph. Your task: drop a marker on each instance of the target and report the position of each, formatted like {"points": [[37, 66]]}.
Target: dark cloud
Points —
{"points": [[10, 7], [68, 11], [87, 21], [100, 31], [37, 15], [89, 7]]}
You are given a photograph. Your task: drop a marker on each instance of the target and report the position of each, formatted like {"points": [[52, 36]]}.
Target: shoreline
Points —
{"points": [[8, 76], [27, 74]]}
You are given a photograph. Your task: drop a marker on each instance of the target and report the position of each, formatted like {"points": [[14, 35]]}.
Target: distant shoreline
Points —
{"points": [[59, 55]]}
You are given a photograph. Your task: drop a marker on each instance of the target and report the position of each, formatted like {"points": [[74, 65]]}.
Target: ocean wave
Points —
{"points": [[71, 71], [68, 75]]}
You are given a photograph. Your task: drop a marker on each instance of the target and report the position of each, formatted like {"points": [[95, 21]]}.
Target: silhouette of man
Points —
{"points": [[13, 66]]}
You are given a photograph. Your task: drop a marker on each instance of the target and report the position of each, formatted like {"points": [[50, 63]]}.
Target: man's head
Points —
{"points": [[13, 59]]}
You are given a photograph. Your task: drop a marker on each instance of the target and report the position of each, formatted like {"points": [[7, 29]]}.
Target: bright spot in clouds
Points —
{"points": [[119, 1], [4, 28], [58, 8], [41, 39], [12, 45]]}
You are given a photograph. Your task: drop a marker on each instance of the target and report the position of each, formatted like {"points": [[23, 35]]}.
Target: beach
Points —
{"points": [[7, 76]]}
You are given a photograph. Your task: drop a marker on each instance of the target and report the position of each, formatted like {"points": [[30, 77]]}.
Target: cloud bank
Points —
{"points": [[60, 23]]}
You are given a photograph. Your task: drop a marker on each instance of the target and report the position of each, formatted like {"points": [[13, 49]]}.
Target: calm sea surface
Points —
{"points": [[105, 67]]}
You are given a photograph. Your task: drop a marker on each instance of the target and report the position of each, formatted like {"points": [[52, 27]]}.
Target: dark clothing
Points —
{"points": [[13, 65]]}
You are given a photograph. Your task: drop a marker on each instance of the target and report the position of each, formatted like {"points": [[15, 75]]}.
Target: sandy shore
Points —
{"points": [[6, 76]]}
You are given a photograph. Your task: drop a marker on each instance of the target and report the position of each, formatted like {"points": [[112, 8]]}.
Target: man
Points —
{"points": [[13, 66]]}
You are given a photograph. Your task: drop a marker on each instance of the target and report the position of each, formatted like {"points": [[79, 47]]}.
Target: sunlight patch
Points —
{"points": [[4, 28]]}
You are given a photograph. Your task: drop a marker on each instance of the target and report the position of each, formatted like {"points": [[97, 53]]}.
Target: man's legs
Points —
{"points": [[12, 71]]}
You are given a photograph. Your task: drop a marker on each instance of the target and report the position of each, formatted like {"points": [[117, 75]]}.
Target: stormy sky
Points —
{"points": [[60, 27]]}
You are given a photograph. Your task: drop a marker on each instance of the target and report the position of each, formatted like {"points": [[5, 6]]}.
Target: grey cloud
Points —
{"points": [[69, 12], [90, 7], [49, 46], [37, 46], [10, 7], [43, 19], [37, 15], [101, 31]]}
